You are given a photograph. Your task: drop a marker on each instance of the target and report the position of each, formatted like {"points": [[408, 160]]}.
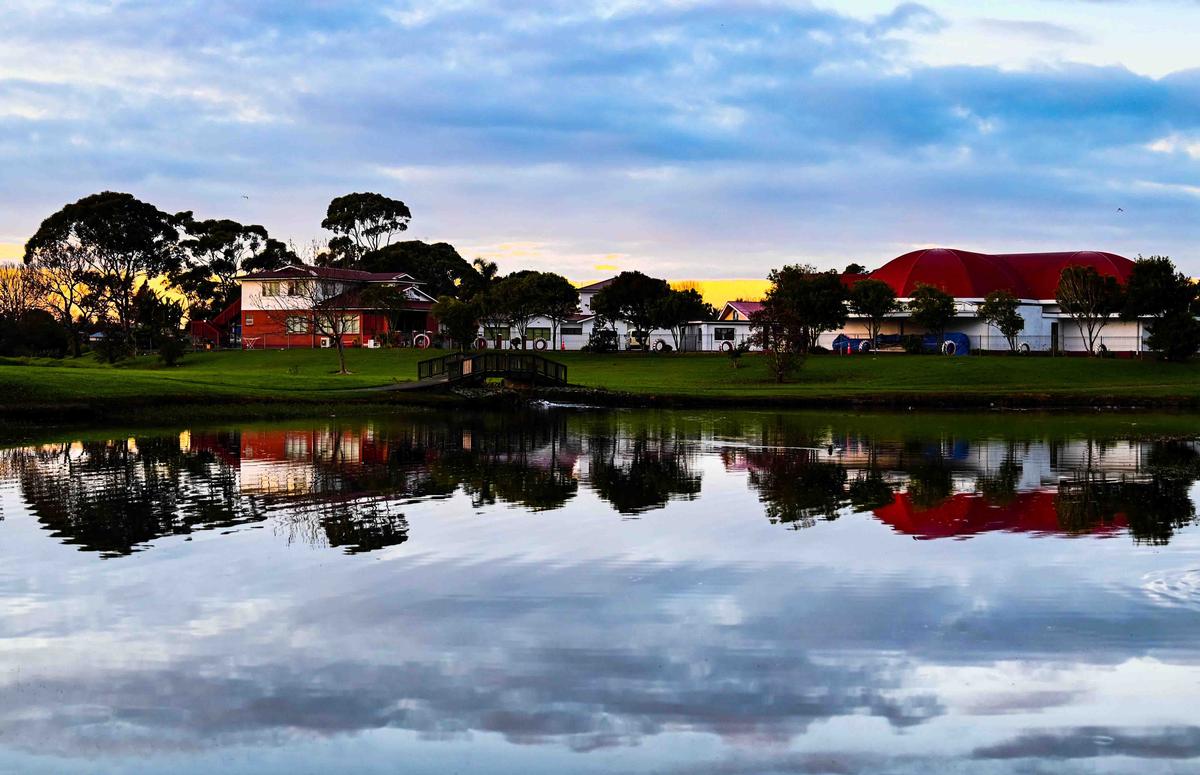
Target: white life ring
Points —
{"points": [[422, 341], [660, 346], [726, 346], [1102, 348], [864, 346], [539, 344], [481, 343], [1024, 348], [949, 348]]}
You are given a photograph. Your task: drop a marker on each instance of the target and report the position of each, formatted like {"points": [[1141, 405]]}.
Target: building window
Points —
{"points": [[249, 320], [533, 334], [350, 324], [297, 324], [723, 334], [270, 289], [572, 330]]}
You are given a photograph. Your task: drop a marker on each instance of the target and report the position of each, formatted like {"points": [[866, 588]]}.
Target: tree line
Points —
{"points": [[125, 275]]}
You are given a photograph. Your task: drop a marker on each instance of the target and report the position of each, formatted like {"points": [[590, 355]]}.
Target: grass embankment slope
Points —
{"points": [[224, 381]]}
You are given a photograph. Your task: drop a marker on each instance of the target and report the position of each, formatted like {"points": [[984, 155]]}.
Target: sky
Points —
{"points": [[686, 139]]}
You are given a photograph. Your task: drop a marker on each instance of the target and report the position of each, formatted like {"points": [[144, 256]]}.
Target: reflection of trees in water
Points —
{"points": [[796, 488], [331, 485], [113, 496], [1155, 503], [529, 461], [356, 526], [641, 473]]}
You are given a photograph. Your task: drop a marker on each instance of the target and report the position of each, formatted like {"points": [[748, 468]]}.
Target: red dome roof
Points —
{"points": [[964, 274]]}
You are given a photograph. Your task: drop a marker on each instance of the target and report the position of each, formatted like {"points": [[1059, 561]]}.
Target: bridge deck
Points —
{"points": [[509, 364]]}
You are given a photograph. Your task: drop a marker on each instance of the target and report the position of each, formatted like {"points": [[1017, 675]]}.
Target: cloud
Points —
{"points": [[1043, 31], [595, 127]]}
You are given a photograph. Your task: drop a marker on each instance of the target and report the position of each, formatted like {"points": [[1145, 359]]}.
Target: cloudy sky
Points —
{"points": [[691, 139]]}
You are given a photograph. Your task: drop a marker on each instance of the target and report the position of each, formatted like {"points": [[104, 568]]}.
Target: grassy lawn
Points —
{"points": [[309, 375]]}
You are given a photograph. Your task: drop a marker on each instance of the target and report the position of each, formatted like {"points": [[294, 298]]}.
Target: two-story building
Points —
{"points": [[298, 306]]}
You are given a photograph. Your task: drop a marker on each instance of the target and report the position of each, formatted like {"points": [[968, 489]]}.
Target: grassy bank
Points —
{"points": [[297, 381]]}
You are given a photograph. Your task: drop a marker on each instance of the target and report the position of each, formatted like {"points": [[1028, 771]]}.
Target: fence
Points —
{"points": [[698, 341], [1068, 342]]}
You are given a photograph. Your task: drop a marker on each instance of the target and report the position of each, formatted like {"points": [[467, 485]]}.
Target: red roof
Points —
{"points": [[744, 308], [964, 274], [330, 273]]}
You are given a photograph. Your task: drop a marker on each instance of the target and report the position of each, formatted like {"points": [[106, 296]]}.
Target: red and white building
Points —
{"points": [[289, 307], [968, 277]]}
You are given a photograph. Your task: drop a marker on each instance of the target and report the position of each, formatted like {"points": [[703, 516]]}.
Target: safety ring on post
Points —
{"points": [[949, 348], [1024, 348], [539, 344], [422, 341], [481, 344], [864, 346], [660, 346], [726, 346]]}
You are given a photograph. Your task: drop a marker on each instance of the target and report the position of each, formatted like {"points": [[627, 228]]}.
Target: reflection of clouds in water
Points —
{"points": [[1173, 587], [1173, 742]]}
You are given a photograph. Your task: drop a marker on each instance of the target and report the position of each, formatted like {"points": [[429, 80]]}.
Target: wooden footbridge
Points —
{"points": [[512, 365]]}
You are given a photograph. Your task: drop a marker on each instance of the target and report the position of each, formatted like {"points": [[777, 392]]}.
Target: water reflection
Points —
{"points": [[519, 623], [346, 485]]}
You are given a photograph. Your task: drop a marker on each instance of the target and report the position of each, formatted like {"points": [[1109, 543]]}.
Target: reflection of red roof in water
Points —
{"points": [[965, 514]]}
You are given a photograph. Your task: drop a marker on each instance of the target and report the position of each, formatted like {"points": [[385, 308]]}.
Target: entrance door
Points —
{"points": [[1054, 337]]}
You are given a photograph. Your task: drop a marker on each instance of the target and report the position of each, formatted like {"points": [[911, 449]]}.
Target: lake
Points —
{"points": [[571, 591]]}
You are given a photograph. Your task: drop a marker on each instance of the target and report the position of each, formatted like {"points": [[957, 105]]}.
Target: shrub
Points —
{"points": [[171, 349]]}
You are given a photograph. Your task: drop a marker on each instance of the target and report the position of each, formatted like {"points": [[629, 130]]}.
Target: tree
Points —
{"points": [[368, 220], [488, 271], [1175, 336], [215, 252], [855, 268], [775, 331], [932, 309], [1090, 299], [119, 241], [64, 272], [632, 297], [1169, 299], [553, 297], [156, 318], [459, 318], [512, 297], [808, 301], [872, 300], [328, 307], [999, 309], [22, 288], [439, 267], [680, 307]]}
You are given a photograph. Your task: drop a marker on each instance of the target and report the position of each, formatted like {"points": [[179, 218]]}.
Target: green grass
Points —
{"points": [[307, 376]]}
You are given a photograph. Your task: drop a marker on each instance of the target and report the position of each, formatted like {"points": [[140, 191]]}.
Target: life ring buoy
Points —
{"points": [[864, 346], [1024, 348], [1102, 348], [949, 348], [422, 341], [539, 344], [726, 346], [660, 346], [481, 344]]}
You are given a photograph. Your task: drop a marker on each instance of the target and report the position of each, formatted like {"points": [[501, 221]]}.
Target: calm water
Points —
{"points": [[623, 592]]}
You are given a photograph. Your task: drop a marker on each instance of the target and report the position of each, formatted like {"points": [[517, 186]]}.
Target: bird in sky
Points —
{"points": [[245, 197], [1120, 209]]}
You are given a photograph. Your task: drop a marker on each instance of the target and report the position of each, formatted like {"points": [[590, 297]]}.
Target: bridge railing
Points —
{"points": [[459, 366]]}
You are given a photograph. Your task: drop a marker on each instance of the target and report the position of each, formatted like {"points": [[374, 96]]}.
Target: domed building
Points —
{"points": [[969, 277]]}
